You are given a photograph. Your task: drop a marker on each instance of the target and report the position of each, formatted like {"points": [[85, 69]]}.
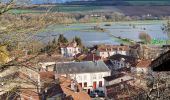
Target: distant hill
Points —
{"points": [[121, 2]]}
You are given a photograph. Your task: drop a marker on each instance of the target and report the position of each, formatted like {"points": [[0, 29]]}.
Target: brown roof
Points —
{"points": [[65, 85], [27, 93], [16, 75], [91, 57], [143, 63], [87, 57], [47, 76], [71, 44], [47, 58], [103, 48], [125, 93]]}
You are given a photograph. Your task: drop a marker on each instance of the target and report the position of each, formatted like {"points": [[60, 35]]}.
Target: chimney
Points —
{"points": [[56, 76], [95, 62], [39, 84], [93, 57]]}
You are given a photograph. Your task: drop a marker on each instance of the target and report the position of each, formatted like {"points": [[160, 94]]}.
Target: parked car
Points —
{"points": [[93, 94], [101, 94]]}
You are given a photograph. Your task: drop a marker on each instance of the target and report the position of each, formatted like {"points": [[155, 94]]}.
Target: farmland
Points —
{"points": [[126, 10]]}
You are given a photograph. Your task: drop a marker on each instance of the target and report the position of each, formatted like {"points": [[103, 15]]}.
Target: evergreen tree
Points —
{"points": [[62, 39], [78, 41]]}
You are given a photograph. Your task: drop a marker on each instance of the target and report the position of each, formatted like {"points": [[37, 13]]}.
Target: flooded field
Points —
{"points": [[90, 36]]}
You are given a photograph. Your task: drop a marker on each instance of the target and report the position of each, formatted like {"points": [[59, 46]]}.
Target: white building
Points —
{"points": [[89, 74], [108, 50], [70, 50]]}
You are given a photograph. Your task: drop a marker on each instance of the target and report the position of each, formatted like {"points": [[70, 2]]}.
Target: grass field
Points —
{"points": [[24, 11], [74, 8], [148, 2], [63, 8]]}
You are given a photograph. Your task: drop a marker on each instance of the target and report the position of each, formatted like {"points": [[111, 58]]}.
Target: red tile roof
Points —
{"points": [[87, 57], [104, 48], [65, 85], [47, 75], [27, 94], [91, 57], [71, 44]]}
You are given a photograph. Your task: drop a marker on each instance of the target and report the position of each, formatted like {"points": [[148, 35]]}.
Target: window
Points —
{"points": [[100, 84], [100, 76], [80, 78], [94, 76], [80, 84], [85, 84]]}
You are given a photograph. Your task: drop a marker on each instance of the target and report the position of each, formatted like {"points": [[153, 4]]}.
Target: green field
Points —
{"points": [[148, 2], [23, 11], [63, 8], [74, 8]]}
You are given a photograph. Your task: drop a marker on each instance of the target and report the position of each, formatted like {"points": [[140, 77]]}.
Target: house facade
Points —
{"points": [[105, 51], [70, 50], [88, 74]]}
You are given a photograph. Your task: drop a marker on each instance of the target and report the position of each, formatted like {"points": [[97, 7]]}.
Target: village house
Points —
{"points": [[125, 91], [122, 61], [27, 81], [142, 67], [24, 79], [116, 84], [56, 87], [89, 74], [105, 51], [144, 51], [70, 50], [162, 62], [121, 86], [117, 78]]}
